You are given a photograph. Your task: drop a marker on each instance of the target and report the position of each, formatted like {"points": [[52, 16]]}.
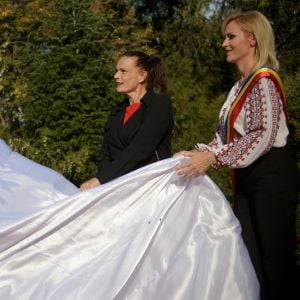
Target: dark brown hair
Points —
{"points": [[153, 65]]}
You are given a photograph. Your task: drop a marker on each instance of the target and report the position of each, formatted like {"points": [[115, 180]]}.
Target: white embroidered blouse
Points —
{"points": [[260, 126]]}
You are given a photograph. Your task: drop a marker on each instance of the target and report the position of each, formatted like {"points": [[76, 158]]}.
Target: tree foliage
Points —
{"points": [[67, 61], [57, 60]]}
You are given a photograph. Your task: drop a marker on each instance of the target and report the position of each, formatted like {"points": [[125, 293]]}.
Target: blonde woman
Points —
{"points": [[252, 140]]}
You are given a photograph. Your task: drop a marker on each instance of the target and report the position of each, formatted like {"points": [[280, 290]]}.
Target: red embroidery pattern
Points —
{"points": [[261, 116], [276, 108]]}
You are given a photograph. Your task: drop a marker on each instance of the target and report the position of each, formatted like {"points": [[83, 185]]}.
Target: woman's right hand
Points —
{"points": [[196, 165], [91, 183]]}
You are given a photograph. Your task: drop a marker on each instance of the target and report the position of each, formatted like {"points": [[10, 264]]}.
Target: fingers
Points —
{"points": [[184, 153], [188, 173], [188, 169], [85, 186], [90, 184], [192, 167]]}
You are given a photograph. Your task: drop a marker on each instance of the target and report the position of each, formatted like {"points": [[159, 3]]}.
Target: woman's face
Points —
{"points": [[129, 77], [238, 44]]}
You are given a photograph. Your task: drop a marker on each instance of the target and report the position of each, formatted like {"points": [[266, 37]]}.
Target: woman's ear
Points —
{"points": [[252, 40], [142, 76]]}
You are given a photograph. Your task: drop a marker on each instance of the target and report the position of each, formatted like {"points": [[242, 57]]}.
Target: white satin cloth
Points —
{"points": [[148, 235]]}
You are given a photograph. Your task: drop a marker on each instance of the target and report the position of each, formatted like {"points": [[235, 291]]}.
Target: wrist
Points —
{"points": [[211, 158]]}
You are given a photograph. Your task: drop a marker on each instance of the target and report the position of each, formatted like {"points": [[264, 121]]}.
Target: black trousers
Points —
{"points": [[266, 197]]}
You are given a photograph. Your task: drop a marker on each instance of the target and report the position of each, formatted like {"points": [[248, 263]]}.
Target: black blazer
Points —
{"points": [[144, 139]]}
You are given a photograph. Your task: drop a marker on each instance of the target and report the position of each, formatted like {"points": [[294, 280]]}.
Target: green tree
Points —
{"points": [[66, 59], [198, 75], [57, 61], [14, 31], [69, 92]]}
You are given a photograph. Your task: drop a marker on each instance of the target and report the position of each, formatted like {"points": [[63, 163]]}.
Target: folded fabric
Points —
{"points": [[150, 234]]}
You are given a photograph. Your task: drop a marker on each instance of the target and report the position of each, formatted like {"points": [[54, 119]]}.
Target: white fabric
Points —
{"points": [[147, 235]]}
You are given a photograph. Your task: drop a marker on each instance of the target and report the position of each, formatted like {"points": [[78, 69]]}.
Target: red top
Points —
{"points": [[130, 110]]}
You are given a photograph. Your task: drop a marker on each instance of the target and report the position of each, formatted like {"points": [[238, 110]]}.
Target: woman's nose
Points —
{"points": [[225, 43]]}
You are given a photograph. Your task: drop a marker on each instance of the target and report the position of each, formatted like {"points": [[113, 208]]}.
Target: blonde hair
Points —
{"points": [[256, 23]]}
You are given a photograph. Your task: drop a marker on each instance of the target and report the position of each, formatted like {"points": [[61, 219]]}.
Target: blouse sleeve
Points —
{"points": [[260, 122]]}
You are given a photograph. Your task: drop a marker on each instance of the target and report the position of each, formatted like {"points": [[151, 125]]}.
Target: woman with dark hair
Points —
{"points": [[138, 132]]}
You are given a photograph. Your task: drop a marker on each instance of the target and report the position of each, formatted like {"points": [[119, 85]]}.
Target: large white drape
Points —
{"points": [[147, 235]]}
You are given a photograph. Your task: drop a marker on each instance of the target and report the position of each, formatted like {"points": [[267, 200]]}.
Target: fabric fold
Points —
{"points": [[150, 234]]}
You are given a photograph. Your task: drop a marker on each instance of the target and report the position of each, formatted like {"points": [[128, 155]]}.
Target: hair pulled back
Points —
{"points": [[153, 65]]}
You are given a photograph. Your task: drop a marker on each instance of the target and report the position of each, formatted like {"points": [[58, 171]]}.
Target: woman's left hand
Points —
{"points": [[198, 163], [91, 183]]}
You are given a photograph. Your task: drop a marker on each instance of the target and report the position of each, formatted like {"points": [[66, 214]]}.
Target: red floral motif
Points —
{"points": [[259, 119]]}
